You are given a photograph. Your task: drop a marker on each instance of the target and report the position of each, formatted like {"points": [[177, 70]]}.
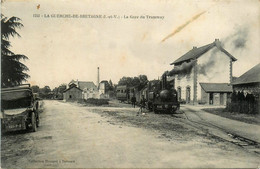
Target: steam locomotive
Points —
{"points": [[160, 95]]}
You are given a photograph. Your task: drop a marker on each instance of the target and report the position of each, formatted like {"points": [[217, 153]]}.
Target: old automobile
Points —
{"points": [[19, 109]]}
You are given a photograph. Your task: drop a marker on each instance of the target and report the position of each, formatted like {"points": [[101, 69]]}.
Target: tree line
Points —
{"points": [[47, 93], [137, 81]]}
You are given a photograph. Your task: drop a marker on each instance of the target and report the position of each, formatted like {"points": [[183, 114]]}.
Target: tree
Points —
{"points": [[12, 70], [143, 81], [35, 89], [45, 93], [61, 88], [45, 90], [58, 91], [139, 81], [125, 81], [111, 86], [135, 81]]}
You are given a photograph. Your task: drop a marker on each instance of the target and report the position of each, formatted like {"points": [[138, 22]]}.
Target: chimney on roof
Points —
{"points": [[194, 47], [217, 43]]}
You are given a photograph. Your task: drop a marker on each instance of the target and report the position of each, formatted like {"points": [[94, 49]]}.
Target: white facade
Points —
{"points": [[218, 70], [102, 91], [214, 66], [183, 83], [90, 93], [89, 90]]}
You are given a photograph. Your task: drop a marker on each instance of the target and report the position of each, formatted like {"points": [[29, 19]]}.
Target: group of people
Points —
{"points": [[243, 102], [242, 96], [142, 104]]}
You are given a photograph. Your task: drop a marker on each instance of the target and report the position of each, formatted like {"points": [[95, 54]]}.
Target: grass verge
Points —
{"points": [[247, 118]]}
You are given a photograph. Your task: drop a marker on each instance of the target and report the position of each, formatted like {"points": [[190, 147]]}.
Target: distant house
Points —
{"points": [[89, 89], [84, 85], [73, 93], [215, 93], [201, 69]]}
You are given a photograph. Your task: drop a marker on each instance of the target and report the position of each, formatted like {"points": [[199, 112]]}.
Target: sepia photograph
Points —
{"points": [[130, 84]]}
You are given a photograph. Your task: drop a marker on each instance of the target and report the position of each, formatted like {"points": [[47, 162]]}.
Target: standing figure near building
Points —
{"points": [[133, 100], [142, 105]]}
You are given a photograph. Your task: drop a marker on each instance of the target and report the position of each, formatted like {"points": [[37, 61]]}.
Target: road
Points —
{"points": [[75, 136]]}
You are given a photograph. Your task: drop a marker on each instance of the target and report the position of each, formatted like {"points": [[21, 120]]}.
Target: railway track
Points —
{"points": [[221, 133]]}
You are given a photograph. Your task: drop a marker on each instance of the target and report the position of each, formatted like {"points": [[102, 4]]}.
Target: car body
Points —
{"points": [[19, 108]]}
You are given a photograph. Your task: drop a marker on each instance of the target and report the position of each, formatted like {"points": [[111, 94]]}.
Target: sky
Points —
{"points": [[62, 49]]}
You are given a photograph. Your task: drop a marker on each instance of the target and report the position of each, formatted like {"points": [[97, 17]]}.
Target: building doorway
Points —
{"points": [[179, 93], [188, 94], [221, 98], [210, 98]]}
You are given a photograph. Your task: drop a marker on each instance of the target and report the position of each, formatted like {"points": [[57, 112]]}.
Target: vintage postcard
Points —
{"points": [[130, 84]]}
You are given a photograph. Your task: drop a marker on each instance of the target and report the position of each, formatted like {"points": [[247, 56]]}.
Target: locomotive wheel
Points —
{"points": [[33, 122]]}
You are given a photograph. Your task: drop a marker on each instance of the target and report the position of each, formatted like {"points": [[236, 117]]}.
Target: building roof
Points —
{"points": [[71, 88], [104, 81], [216, 87], [197, 52], [84, 84], [251, 76], [88, 85]]}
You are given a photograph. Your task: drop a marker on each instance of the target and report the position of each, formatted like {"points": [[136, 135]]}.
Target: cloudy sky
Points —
{"points": [[62, 49]]}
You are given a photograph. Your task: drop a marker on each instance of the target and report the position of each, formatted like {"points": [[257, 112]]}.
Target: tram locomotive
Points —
{"points": [[161, 97]]}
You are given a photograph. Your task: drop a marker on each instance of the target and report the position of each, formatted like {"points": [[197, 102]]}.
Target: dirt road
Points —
{"points": [[72, 135]]}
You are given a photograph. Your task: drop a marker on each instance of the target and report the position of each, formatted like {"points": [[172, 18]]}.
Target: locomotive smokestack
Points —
{"points": [[164, 81]]}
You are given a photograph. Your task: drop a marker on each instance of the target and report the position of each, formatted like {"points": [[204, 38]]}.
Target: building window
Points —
{"points": [[70, 96]]}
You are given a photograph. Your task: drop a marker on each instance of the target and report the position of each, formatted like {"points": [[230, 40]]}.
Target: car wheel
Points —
{"points": [[33, 122]]}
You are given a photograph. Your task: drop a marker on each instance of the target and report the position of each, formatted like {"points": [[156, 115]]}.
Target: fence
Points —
{"points": [[239, 102]]}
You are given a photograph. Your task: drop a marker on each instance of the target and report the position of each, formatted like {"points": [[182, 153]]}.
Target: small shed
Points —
{"points": [[249, 81], [249, 85], [73, 93], [215, 93]]}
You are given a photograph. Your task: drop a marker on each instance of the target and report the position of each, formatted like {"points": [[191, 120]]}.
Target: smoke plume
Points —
{"points": [[233, 42], [181, 70], [237, 40], [206, 67]]}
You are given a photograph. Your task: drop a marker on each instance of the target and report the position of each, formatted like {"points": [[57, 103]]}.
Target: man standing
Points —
{"points": [[142, 105], [133, 100]]}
